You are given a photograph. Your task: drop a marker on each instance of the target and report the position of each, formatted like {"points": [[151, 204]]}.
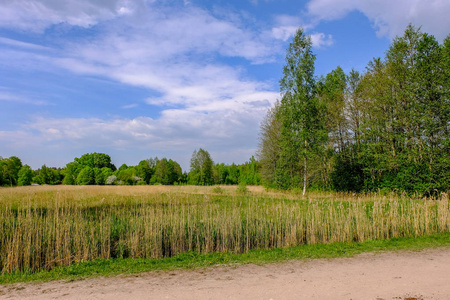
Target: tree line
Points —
{"points": [[97, 169], [387, 128]]}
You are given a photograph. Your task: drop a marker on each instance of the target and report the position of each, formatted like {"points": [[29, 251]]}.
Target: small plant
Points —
{"points": [[242, 188], [218, 190]]}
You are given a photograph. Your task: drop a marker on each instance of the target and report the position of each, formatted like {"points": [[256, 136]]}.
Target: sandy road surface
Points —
{"points": [[390, 275]]}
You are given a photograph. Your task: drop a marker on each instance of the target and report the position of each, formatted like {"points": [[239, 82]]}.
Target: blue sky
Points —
{"points": [[144, 78]]}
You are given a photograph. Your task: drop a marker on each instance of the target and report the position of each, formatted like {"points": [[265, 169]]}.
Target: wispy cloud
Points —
{"points": [[22, 45], [128, 106], [36, 16], [320, 40], [6, 95]]}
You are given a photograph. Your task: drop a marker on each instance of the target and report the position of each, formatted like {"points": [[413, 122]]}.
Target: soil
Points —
{"points": [[379, 276]]}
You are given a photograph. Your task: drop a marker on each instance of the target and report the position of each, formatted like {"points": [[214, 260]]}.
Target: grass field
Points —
{"points": [[48, 227]]}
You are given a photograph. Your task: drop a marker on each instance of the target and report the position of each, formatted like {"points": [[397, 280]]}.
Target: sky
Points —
{"points": [[142, 78]]}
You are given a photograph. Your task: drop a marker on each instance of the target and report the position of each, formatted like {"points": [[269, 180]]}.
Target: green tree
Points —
{"points": [[167, 172], [46, 175], [25, 175], [86, 176], [249, 172], [101, 177], [201, 172], [70, 173], [9, 167], [145, 169], [95, 160], [301, 114], [269, 147]]}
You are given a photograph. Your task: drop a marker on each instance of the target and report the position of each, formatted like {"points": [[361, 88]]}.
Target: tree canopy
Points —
{"points": [[387, 128]]}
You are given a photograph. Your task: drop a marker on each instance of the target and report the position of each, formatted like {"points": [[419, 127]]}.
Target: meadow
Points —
{"points": [[45, 227]]}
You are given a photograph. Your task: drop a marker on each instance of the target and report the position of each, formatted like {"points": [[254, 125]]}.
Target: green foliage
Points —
{"points": [[86, 176], [25, 176], [95, 160], [46, 175], [269, 147], [386, 129], [294, 133], [167, 172], [242, 188], [249, 172], [9, 170], [218, 190], [201, 172], [99, 163], [145, 170]]}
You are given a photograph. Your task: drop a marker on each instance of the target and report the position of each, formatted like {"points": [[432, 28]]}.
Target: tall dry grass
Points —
{"points": [[44, 227]]}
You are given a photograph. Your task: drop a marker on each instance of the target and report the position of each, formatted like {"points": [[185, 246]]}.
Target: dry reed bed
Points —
{"points": [[44, 227]]}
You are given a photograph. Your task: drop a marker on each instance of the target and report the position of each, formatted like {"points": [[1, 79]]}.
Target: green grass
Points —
{"points": [[192, 260]]}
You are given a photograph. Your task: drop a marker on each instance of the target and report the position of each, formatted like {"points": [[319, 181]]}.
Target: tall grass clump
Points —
{"points": [[43, 228]]}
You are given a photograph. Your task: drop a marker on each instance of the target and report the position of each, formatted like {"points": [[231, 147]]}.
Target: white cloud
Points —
{"points": [[128, 106], [320, 40], [6, 95], [389, 17], [22, 45], [284, 32], [286, 26]]}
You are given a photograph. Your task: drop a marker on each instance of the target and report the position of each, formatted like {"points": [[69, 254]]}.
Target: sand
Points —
{"points": [[385, 275]]}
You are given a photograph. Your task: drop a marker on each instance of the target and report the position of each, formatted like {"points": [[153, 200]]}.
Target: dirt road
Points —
{"points": [[390, 275]]}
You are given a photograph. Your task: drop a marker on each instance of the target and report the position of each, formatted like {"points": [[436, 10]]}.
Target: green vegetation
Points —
{"points": [[97, 169], [191, 260], [387, 129], [50, 228]]}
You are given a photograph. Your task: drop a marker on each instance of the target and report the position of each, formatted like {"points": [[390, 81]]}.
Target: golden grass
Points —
{"points": [[47, 226]]}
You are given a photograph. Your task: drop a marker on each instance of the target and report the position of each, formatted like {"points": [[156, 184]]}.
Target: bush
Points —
{"points": [[111, 179], [218, 190], [242, 188]]}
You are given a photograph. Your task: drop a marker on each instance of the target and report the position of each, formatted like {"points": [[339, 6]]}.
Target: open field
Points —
{"points": [[49, 226]]}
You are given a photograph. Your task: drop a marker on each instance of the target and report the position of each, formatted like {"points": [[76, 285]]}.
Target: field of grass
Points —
{"points": [[48, 227]]}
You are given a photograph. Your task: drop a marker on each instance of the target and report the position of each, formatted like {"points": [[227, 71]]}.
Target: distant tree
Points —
{"points": [[86, 176], [46, 175], [95, 160], [70, 173], [201, 172], [249, 172], [145, 169], [232, 174], [101, 177], [25, 175], [9, 167], [269, 147], [167, 172]]}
